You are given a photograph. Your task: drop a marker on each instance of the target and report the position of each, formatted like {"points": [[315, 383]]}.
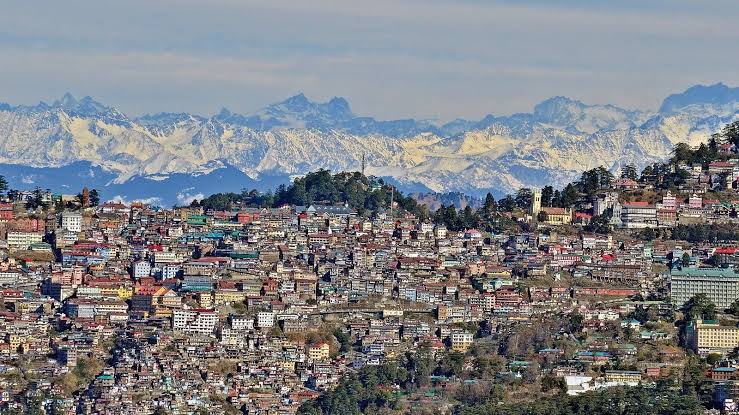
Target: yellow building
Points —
{"points": [[164, 300], [557, 216], [162, 312], [461, 341], [319, 351], [205, 300], [15, 342], [708, 336], [228, 297], [125, 292], [166, 297], [121, 291], [442, 312]]}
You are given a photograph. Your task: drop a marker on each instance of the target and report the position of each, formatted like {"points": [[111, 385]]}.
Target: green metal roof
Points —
{"points": [[704, 272]]}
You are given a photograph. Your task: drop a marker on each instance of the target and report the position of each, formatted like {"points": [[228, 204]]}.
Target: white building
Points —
{"points": [[265, 319], [170, 271], [578, 384], [639, 215], [695, 201], [141, 269], [425, 227], [201, 321], [166, 257], [241, 323], [720, 285], [440, 232], [9, 278], [71, 221], [604, 202]]}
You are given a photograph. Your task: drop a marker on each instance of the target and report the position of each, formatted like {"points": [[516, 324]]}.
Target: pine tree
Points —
{"points": [[629, 172], [94, 197], [523, 198], [547, 193]]}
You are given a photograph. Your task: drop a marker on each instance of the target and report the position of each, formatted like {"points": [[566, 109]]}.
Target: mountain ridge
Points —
{"points": [[551, 145]]}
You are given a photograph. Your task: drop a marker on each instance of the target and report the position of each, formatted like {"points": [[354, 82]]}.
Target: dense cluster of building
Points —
{"points": [[128, 308]]}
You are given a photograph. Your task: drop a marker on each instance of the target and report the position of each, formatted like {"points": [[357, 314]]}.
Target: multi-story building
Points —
{"points": [[669, 201], [141, 269], [603, 202], [535, 203], [166, 257], [241, 323], [461, 341], [6, 211], [707, 336], [637, 215], [170, 271], [201, 321], [720, 285], [265, 319], [67, 355], [319, 351], [71, 221], [22, 240]]}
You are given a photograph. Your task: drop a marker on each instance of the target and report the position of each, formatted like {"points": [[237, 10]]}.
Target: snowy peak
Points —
{"points": [[339, 105], [299, 112], [164, 123], [558, 108], [297, 103], [716, 94], [85, 106], [573, 115], [67, 101], [552, 145]]}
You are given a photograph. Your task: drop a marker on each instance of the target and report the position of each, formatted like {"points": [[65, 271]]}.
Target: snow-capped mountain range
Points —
{"points": [[178, 156]]}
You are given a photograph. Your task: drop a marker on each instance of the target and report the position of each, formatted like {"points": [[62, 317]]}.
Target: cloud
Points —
{"points": [[184, 199], [153, 201]]}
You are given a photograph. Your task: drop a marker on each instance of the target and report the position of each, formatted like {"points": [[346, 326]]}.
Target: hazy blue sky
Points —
{"points": [[389, 58]]}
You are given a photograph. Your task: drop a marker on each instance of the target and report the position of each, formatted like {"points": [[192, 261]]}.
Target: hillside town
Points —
{"points": [[127, 308]]}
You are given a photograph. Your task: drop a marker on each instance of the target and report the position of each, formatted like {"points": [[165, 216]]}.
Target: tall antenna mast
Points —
{"points": [[363, 163]]}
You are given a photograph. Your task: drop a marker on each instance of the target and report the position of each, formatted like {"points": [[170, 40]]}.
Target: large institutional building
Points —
{"points": [[721, 285], [706, 337]]}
